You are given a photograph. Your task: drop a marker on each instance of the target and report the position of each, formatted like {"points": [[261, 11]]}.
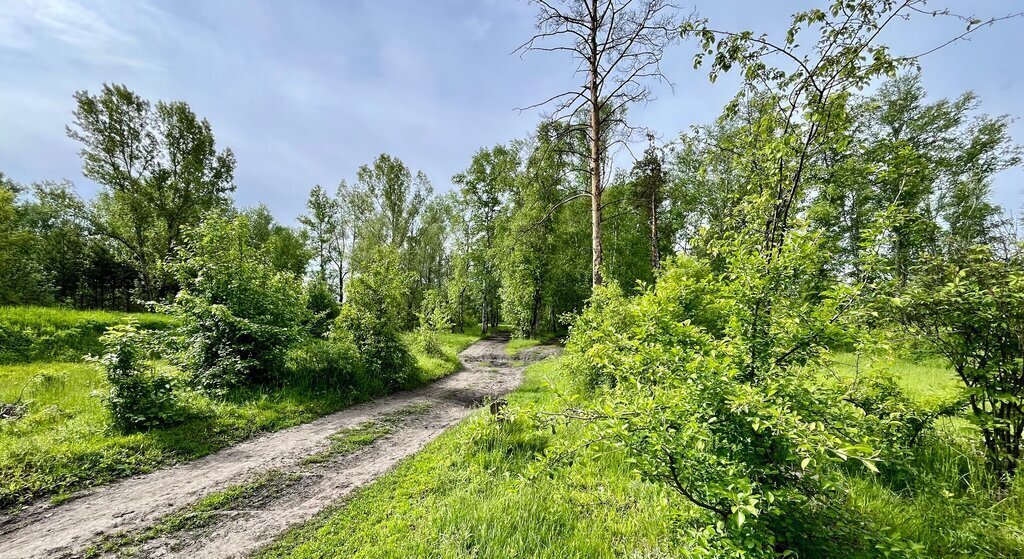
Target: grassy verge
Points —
{"points": [[515, 345], [63, 441], [54, 334], [432, 367], [463, 497], [944, 497]]}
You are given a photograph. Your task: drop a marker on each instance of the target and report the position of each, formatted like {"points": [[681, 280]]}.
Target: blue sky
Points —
{"points": [[306, 91]]}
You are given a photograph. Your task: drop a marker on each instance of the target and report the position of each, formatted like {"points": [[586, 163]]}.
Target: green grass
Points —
{"points": [[927, 380], [432, 367], [64, 440], [515, 345], [944, 497], [56, 334], [463, 496]]}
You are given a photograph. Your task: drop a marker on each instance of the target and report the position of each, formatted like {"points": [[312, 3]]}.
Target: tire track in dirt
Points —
{"points": [[136, 503]]}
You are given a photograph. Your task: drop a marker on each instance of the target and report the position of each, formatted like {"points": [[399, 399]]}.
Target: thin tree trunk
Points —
{"points": [[595, 156], [655, 253]]}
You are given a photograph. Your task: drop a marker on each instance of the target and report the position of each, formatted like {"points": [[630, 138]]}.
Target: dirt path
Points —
{"points": [[303, 453]]}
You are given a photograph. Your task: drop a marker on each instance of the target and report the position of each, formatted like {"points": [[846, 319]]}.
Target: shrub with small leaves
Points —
{"points": [[140, 397], [711, 382], [322, 308], [238, 315], [371, 317]]}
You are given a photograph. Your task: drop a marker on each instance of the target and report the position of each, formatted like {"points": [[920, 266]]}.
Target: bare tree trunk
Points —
{"points": [[655, 253], [484, 307], [595, 154]]}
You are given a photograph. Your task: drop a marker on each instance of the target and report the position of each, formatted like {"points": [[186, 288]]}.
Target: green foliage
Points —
{"points": [[322, 308], [334, 364], [19, 276], [709, 381], [435, 318], [41, 333], [431, 367], [140, 397], [284, 247], [237, 314], [160, 173], [971, 310], [371, 317]]}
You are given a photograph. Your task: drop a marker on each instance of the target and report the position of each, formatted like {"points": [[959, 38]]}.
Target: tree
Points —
{"points": [[648, 183], [285, 247], [20, 277], [484, 185], [809, 84], [618, 45], [160, 173], [321, 223], [398, 197]]}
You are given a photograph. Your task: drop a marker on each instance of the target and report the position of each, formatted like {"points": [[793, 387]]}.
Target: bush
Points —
{"points": [[971, 311], [328, 365], [238, 314], [434, 319], [711, 382], [140, 397], [371, 317], [322, 307]]}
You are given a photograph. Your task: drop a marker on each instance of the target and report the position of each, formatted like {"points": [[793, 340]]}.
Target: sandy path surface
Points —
{"points": [[136, 503]]}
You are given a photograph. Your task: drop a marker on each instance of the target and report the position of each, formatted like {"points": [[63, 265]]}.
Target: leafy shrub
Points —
{"points": [[971, 310], [709, 381], [321, 306], [238, 314], [371, 317], [433, 319], [140, 397], [327, 365]]}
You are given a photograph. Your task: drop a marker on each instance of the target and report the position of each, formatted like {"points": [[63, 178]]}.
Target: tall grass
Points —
{"points": [[431, 367], [471, 494], [944, 497], [56, 334]]}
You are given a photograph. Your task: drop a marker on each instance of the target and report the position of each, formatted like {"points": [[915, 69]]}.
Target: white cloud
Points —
{"points": [[83, 33]]}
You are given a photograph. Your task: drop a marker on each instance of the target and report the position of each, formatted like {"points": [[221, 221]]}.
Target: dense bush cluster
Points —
{"points": [[370, 318], [238, 314], [712, 381]]}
